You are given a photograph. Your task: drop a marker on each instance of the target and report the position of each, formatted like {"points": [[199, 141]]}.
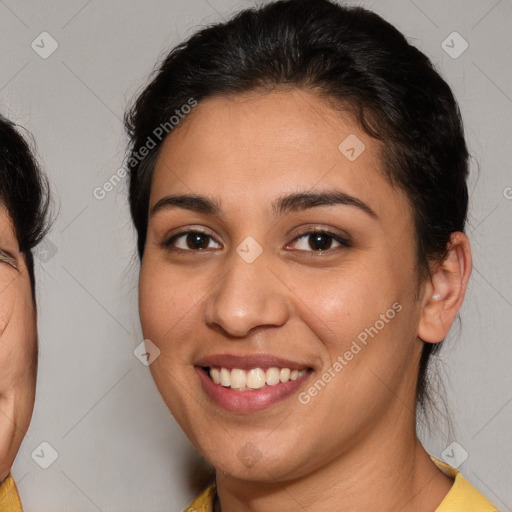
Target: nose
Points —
{"points": [[249, 296]]}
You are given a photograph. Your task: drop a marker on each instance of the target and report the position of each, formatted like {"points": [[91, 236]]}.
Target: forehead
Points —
{"points": [[248, 149]]}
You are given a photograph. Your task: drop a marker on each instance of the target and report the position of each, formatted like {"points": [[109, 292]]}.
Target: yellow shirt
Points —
{"points": [[463, 497], [9, 500]]}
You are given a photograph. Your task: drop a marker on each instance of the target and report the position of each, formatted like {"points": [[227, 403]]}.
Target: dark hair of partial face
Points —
{"points": [[353, 58], [24, 192]]}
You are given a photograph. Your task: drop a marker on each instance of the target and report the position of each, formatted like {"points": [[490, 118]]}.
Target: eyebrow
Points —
{"points": [[291, 202]]}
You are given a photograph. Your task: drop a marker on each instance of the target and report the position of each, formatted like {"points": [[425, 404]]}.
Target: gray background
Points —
{"points": [[118, 447]]}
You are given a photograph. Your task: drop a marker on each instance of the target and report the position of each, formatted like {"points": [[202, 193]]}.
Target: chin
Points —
{"points": [[249, 463]]}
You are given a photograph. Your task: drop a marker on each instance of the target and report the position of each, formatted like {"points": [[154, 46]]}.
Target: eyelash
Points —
{"points": [[7, 258], [344, 242]]}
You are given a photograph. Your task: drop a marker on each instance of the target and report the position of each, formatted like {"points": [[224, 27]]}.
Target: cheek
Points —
{"points": [[163, 299], [6, 298], [26, 334], [340, 305], [360, 316], [163, 308], [18, 340], [170, 303]]}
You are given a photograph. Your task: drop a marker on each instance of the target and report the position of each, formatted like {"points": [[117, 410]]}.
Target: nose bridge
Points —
{"points": [[249, 295]]}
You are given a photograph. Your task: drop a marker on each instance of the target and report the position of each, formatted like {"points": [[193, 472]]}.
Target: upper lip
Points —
{"points": [[248, 361]]}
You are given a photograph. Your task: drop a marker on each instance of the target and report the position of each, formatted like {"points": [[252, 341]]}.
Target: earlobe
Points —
{"points": [[444, 293]]}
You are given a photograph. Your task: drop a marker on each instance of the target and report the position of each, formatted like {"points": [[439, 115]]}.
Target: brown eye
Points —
{"points": [[317, 241], [189, 241]]}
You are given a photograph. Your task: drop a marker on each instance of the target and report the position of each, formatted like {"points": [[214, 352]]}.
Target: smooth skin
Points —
{"points": [[18, 346], [353, 447]]}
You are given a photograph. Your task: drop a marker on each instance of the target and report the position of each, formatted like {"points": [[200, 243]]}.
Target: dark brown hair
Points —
{"points": [[24, 191]]}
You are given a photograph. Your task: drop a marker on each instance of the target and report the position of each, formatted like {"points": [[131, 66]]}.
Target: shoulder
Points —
{"points": [[9, 499], [204, 502], [463, 497]]}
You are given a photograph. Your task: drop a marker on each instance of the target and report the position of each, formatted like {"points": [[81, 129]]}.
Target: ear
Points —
{"points": [[444, 293]]}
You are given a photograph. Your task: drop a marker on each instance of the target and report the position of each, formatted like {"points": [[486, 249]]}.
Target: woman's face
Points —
{"points": [[253, 298], [18, 345]]}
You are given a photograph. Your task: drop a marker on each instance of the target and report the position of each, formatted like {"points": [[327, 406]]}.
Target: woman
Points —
{"points": [[298, 187], [23, 223]]}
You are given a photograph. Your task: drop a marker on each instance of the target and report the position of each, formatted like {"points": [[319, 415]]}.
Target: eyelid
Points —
{"points": [[173, 235], [343, 239], [310, 229], [6, 257]]}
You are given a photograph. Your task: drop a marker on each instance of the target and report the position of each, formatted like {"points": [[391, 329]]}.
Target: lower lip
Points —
{"points": [[248, 401]]}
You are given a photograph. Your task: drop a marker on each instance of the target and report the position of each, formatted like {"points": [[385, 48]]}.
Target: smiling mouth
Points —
{"points": [[254, 378]]}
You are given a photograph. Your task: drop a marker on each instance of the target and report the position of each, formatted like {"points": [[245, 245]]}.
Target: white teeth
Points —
{"points": [[225, 379], [215, 375], [238, 379], [272, 376], [284, 374], [255, 378]]}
